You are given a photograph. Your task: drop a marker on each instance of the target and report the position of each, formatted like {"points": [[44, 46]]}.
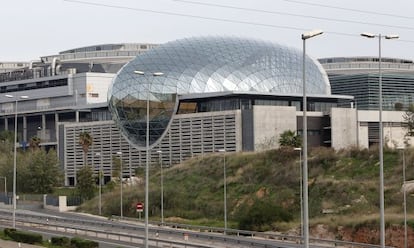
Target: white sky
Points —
{"points": [[31, 29]]}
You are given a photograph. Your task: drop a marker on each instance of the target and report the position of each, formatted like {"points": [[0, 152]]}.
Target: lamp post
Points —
{"points": [[301, 190], [224, 189], [405, 197], [98, 154], [306, 36], [15, 155], [381, 141], [121, 177], [162, 187], [155, 74]]}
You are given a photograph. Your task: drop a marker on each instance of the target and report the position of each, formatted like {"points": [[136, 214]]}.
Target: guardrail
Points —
{"points": [[234, 236], [253, 234], [83, 228]]}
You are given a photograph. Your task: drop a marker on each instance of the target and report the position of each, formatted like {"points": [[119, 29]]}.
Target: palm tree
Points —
{"points": [[85, 140], [290, 139]]}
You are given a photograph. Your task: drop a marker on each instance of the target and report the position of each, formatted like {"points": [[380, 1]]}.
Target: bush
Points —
{"points": [[83, 243], [60, 241], [24, 237], [260, 215]]}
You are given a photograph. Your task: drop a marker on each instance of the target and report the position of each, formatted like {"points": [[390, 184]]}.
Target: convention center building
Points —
{"points": [[205, 95]]}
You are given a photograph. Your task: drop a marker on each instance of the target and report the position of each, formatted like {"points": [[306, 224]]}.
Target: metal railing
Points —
{"points": [[253, 234], [234, 237]]}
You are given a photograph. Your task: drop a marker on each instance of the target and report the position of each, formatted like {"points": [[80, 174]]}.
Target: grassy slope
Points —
{"points": [[345, 183]]}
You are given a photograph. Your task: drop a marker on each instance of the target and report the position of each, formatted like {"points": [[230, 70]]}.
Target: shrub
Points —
{"points": [[60, 241], [83, 243], [24, 237], [260, 215]]}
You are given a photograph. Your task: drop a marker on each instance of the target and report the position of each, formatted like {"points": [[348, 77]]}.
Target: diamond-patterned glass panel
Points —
{"points": [[201, 65]]}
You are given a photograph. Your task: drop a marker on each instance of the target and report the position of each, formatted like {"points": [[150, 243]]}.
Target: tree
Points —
{"points": [[85, 183], [290, 139], [85, 140], [34, 143], [6, 141], [116, 168], [7, 136], [408, 117], [42, 173]]}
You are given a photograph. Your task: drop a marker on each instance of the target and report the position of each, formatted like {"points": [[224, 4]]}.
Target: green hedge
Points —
{"points": [[83, 243], [24, 237], [60, 241]]}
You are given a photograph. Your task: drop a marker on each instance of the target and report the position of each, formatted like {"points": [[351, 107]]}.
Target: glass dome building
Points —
{"points": [[203, 65]]}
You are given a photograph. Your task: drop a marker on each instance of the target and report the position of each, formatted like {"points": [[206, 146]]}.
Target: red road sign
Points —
{"points": [[140, 207]]}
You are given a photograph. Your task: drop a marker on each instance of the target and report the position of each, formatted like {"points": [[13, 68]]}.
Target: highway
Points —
{"points": [[115, 233], [111, 233]]}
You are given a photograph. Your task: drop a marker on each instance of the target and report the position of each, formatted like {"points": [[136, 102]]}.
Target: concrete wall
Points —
{"points": [[269, 122], [394, 131], [363, 136], [62, 206], [343, 126]]}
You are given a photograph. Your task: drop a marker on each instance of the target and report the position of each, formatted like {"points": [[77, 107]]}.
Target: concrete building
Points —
{"points": [[206, 94], [69, 87], [358, 77]]}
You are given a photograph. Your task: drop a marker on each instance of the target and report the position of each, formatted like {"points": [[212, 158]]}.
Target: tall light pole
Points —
{"points": [[301, 188], [306, 36], [381, 141], [15, 155], [98, 154], [162, 187], [405, 198], [224, 189], [155, 74], [121, 177]]}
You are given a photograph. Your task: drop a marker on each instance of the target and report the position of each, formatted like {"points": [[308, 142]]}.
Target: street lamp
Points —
{"points": [[381, 145], [155, 74], [306, 36], [301, 190], [162, 188], [225, 189], [98, 154], [405, 197], [121, 177], [15, 155]]}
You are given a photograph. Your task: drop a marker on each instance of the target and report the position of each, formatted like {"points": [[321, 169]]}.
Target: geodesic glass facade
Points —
{"points": [[203, 65]]}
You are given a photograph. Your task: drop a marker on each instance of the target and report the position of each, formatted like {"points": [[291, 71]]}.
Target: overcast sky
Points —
{"points": [[31, 29]]}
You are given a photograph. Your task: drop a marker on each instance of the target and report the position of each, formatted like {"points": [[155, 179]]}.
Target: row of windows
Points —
{"points": [[35, 85], [237, 103]]}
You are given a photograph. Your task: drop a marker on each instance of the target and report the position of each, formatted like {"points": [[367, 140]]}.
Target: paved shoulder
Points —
{"points": [[12, 244]]}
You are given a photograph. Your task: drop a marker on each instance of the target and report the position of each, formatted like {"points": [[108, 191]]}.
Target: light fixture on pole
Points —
{"points": [[405, 198], [381, 139], [306, 36], [224, 189], [15, 155], [301, 188], [98, 154], [121, 177], [155, 74], [162, 187]]}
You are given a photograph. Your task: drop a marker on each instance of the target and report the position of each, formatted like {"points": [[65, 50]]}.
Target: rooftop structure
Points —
{"points": [[204, 65]]}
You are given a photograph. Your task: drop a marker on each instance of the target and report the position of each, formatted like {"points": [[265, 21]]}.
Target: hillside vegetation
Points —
{"points": [[263, 190]]}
